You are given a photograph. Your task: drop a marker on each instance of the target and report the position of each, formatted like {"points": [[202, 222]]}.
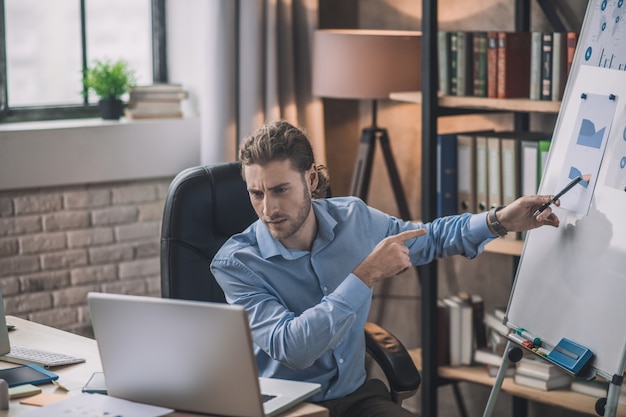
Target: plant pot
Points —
{"points": [[111, 109]]}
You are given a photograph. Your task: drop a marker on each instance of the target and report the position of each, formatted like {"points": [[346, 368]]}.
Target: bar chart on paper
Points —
{"points": [[606, 45]]}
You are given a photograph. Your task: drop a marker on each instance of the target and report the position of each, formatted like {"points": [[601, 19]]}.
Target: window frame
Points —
{"points": [[85, 110]]}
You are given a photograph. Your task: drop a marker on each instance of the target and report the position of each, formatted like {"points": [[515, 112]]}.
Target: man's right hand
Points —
{"points": [[389, 258]]}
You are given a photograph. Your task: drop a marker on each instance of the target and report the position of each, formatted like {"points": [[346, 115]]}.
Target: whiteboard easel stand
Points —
{"points": [[512, 354], [606, 407]]}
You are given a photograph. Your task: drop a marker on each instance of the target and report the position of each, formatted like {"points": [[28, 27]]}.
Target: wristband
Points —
{"points": [[495, 225]]}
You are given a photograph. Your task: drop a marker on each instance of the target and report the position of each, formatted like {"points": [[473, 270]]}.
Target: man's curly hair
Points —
{"points": [[279, 141]]}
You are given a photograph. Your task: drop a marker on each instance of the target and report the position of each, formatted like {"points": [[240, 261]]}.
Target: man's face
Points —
{"points": [[281, 197]]}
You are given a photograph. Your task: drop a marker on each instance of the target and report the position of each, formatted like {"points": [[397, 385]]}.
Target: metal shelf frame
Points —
{"points": [[431, 111]]}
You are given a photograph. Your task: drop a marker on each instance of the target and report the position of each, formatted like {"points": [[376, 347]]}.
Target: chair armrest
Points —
{"points": [[403, 377]]}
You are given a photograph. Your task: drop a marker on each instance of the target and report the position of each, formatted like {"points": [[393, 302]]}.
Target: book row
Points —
{"points": [[531, 65], [461, 329], [480, 170]]}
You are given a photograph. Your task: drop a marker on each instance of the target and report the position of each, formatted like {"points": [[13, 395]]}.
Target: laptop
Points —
{"points": [[187, 355]]}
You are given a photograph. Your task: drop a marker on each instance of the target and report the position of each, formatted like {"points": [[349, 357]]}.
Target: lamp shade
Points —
{"points": [[365, 64]]}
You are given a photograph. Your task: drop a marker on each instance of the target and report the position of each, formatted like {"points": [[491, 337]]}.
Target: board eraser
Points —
{"points": [[570, 355]]}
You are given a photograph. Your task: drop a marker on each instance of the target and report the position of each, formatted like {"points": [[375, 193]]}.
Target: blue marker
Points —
{"points": [[529, 336]]}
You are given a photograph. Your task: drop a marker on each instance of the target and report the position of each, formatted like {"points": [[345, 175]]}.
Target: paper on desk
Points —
{"points": [[97, 405], [44, 398]]}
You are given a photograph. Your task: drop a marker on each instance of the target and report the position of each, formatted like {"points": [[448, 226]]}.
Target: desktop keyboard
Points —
{"points": [[23, 355]]}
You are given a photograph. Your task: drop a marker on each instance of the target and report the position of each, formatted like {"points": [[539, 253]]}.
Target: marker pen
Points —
{"points": [[517, 338], [528, 336], [543, 352], [558, 195]]}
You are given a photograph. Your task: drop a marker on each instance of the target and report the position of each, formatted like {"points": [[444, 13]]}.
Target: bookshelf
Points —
{"points": [[563, 398], [434, 107], [482, 103], [505, 247]]}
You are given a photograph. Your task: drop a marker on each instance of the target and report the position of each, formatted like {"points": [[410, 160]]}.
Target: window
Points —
{"points": [[46, 45]]}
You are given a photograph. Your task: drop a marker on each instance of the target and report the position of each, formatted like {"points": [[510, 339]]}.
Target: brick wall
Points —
{"points": [[57, 244]]}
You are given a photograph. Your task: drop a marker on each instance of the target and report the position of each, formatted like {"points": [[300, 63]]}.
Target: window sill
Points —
{"points": [[63, 152]]}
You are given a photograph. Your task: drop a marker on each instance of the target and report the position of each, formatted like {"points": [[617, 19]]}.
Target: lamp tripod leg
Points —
{"points": [[363, 166], [363, 169], [394, 176]]}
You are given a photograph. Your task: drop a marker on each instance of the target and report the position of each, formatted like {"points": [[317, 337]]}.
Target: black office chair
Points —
{"points": [[205, 205]]}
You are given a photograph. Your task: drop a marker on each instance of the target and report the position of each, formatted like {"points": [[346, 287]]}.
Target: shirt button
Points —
{"points": [[325, 289], [340, 360]]}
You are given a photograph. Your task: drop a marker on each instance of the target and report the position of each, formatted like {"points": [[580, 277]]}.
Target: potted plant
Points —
{"points": [[109, 81]]}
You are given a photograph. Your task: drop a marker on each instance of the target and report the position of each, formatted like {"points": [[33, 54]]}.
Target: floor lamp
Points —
{"points": [[368, 64]]}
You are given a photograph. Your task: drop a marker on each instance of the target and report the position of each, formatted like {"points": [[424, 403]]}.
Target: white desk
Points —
{"points": [[73, 377]]}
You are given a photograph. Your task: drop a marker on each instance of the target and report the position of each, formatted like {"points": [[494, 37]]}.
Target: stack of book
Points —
{"points": [[156, 101], [538, 373], [496, 330], [491, 355], [492, 362], [597, 388]]}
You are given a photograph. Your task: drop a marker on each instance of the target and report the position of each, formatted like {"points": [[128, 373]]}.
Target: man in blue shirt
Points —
{"points": [[304, 271]]}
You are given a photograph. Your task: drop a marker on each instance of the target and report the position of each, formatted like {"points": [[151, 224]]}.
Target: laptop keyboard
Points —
{"points": [[267, 397], [23, 355]]}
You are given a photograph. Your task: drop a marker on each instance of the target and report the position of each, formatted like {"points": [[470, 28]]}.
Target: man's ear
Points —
{"points": [[313, 177]]}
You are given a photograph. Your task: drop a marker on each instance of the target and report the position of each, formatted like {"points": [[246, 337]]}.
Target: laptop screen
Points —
{"points": [[187, 355]]}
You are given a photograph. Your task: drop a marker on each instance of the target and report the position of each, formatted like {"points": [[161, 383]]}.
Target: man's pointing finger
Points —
{"points": [[407, 234]]}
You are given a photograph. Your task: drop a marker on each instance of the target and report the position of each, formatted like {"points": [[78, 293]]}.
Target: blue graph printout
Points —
{"points": [[606, 44], [586, 149]]}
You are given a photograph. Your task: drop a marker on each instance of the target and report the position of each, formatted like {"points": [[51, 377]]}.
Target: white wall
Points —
{"points": [[200, 35]]}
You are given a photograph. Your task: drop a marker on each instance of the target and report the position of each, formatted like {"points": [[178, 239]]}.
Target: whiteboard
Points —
{"points": [[571, 281]]}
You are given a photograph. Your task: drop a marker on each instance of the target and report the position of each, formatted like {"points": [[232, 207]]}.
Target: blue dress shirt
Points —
{"points": [[306, 309]]}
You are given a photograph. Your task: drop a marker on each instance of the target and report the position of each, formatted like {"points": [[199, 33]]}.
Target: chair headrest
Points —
{"points": [[232, 211]]}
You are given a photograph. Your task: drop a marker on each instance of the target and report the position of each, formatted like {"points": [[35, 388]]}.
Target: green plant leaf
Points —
{"points": [[109, 80]]}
